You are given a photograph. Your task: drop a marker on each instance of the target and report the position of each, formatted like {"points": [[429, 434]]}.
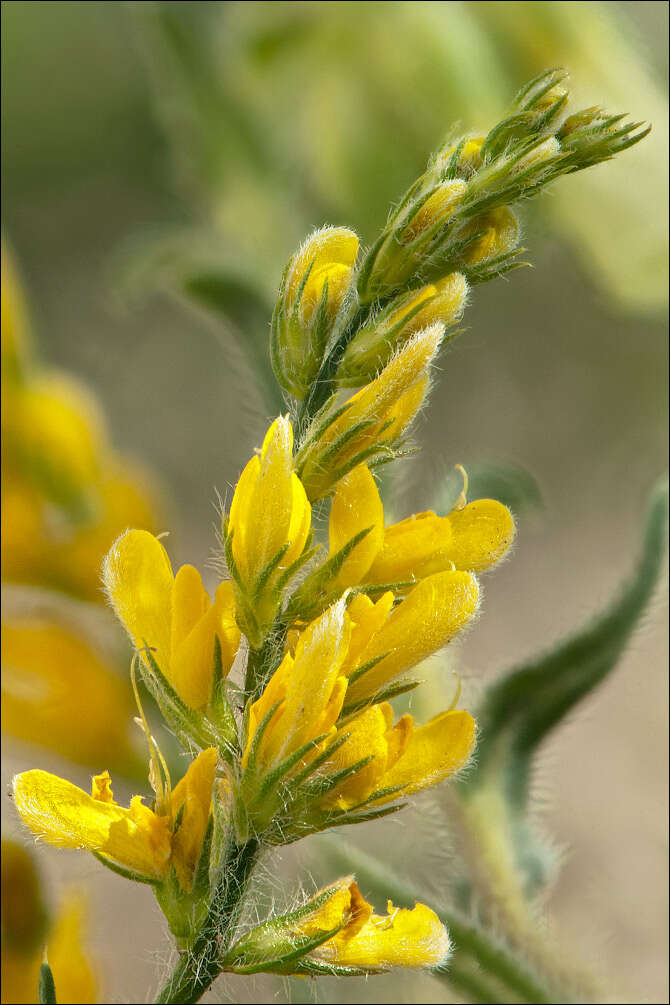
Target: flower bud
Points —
{"points": [[267, 530], [543, 153], [499, 234], [370, 422], [374, 344], [313, 290]]}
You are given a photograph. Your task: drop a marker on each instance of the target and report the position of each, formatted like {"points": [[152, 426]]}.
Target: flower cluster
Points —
{"points": [[284, 681]]}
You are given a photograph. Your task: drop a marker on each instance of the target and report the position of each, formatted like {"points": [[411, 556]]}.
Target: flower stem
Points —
{"points": [[200, 965]]}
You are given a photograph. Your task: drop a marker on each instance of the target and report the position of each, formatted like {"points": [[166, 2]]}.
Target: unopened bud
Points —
{"points": [[499, 231], [314, 288], [442, 302]]}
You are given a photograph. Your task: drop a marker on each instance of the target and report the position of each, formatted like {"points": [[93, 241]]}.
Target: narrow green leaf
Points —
{"points": [[527, 703]]}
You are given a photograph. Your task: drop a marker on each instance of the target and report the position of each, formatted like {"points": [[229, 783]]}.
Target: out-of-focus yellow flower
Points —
{"points": [[313, 290], [41, 546], [27, 930], [74, 976], [14, 330], [441, 302], [52, 678], [372, 419], [470, 539], [148, 843], [171, 615], [267, 530]]}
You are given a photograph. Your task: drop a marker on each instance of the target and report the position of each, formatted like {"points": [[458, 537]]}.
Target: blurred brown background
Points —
{"points": [[562, 371]]}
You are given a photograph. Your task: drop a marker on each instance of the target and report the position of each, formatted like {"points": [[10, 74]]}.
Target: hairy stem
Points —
{"points": [[200, 965]]}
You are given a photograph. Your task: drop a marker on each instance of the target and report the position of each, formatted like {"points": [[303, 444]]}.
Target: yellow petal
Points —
{"points": [[404, 938], [138, 577], [481, 533], [356, 506], [434, 752], [194, 793], [432, 613], [192, 666], [413, 549], [59, 693], [67, 817], [312, 693], [366, 738], [327, 246], [366, 619], [74, 977], [189, 603]]}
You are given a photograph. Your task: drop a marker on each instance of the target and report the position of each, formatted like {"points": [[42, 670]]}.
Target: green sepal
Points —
{"points": [[46, 987], [316, 591], [392, 691], [187, 724], [219, 711], [275, 946], [120, 870]]}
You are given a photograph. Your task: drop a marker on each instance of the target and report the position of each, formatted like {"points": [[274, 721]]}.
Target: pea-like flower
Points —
{"points": [[336, 932], [146, 843], [471, 538], [171, 620], [369, 424], [267, 530]]}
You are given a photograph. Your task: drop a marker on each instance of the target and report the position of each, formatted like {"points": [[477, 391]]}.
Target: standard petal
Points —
{"points": [[432, 613], [356, 506], [434, 752], [481, 533], [138, 577]]}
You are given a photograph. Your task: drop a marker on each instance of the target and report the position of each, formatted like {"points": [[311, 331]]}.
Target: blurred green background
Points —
{"points": [[145, 143]]}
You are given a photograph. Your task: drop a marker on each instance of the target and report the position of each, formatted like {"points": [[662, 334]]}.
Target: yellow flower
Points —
{"points": [[442, 302], [313, 290], [344, 664], [371, 942], [432, 613], [336, 932], [148, 843], [74, 975], [372, 419], [171, 615], [329, 255], [267, 530], [470, 539], [52, 678], [401, 759], [300, 704]]}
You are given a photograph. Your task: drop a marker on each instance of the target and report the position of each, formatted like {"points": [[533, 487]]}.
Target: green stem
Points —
{"points": [[200, 965], [469, 942]]}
